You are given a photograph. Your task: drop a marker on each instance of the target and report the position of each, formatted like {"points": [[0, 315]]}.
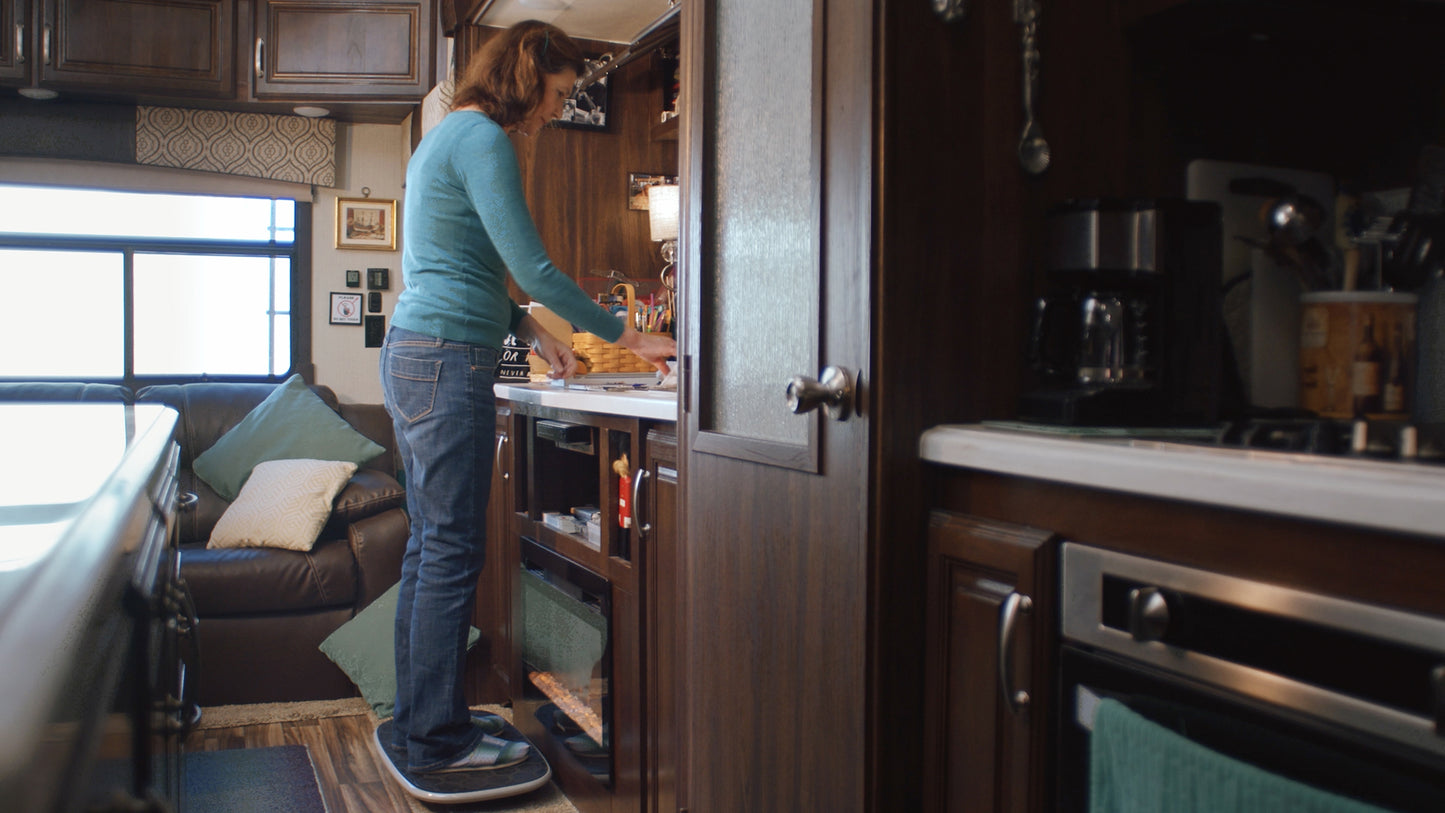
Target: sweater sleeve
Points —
{"points": [[502, 208]]}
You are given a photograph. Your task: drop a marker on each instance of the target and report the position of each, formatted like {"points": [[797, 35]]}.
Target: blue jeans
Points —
{"points": [[439, 395]]}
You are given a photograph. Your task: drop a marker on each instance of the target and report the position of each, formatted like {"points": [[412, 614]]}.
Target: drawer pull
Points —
{"points": [[1015, 604]]}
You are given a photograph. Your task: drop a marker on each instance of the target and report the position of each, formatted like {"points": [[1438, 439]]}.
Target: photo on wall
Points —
{"points": [[586, 109]]}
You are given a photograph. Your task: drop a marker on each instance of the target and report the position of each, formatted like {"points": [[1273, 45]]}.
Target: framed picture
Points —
{"points": [[637, 185], [353, 278], [345, 308], [366, 223], [378, 279], [586, 109]]}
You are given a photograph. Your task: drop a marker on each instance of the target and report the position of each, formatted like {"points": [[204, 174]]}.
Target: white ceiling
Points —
{"points": [[606, 20]]}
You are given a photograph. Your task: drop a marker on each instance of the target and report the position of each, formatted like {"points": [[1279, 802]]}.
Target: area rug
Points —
{"points": [[252, 780], [548, 799]]}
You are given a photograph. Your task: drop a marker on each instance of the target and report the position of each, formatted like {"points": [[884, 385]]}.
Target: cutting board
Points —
{"points": [[1262, 315]]}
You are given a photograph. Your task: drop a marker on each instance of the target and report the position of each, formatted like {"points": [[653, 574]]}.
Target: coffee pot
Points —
{"points": [[1092, 338], [1128, 330]]}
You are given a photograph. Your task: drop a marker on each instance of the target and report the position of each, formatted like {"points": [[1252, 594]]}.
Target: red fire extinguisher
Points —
{"points": [[624, 492]]}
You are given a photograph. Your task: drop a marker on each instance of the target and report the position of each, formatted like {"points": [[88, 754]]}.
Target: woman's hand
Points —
{"points": [[655, 348], [553, 350]]}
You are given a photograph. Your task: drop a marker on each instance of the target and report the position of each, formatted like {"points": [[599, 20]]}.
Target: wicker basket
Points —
{"points": [[605, 357]]}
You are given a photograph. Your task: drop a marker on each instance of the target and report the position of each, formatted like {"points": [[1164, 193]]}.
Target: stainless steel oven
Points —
{"points": [[1330, 697]]}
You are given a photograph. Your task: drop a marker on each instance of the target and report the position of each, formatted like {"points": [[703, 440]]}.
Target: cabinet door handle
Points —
{"points": [[1007, 619], [260, 64], [497, 459], [642, 527], [45, 44], [20, 43]]}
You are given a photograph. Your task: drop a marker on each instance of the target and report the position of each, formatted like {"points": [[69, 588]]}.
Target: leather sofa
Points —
{"points": [[262, 612]]}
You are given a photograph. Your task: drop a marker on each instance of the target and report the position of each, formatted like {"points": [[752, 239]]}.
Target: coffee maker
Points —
{"points": [[1129, 331]]}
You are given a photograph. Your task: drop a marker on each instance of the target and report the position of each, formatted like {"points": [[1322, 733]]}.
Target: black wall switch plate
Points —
{"points": [[375, 330]]}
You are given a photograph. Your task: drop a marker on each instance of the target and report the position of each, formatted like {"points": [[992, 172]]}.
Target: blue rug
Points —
{"points": [[279, 779]]}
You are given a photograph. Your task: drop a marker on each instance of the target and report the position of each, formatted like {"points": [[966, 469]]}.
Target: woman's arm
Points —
{"points": [[553, 350]]}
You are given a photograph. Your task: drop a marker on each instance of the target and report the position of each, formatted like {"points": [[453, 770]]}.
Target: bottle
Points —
{"points": [[1394, 391], [1365, 371]]}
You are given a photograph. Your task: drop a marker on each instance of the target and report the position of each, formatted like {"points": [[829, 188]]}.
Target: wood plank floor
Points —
{"points": [[351, 779]]}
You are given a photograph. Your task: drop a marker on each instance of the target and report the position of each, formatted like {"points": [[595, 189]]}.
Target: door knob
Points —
{"points": [[834, 392]]}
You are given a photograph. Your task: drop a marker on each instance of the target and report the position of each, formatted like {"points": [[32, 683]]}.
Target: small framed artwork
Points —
{"points": [[378, 279], [373, 302], [586, 109], [366, 223], [637, 185], [375, 330], [353, 278], [345, 308]]}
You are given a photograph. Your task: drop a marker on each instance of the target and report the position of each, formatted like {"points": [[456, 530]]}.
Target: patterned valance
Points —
{"points": [[259, 145]]}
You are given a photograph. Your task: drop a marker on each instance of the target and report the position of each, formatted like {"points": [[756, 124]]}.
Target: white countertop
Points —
{"points": [[654, 404], [1408, 497]]}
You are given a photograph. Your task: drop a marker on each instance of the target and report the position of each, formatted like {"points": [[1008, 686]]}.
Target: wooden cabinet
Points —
{"points": [[989, 664], [12, 36], [160, 47], [550, 461], [662, 652], [489, 665], [363, 49]]}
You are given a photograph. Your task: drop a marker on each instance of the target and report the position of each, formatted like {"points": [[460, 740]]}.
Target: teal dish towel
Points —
{"points": [[1138, 766]]}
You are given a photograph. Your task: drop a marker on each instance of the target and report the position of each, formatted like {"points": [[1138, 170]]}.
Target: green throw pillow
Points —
{"points": [[293, 423], [365, 649]]}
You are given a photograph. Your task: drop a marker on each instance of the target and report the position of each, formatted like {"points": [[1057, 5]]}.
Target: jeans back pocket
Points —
{"points": [[411, 385]]}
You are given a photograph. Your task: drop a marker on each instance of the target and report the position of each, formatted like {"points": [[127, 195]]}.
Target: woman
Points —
{"points": [[467, 226]]}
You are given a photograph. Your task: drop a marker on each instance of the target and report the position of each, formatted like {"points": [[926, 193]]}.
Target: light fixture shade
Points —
{"points": [[662, 209]]}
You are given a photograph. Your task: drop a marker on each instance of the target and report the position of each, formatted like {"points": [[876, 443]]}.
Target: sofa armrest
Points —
{"points": [[378, 543], [369, 492]]}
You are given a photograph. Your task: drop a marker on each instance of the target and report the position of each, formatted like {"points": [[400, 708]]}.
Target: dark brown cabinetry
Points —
{"points": [[322, 50], [550, 461], [12, 58], [364, 60], [990, 638], [664, 640], [160, 47], [490, 673]]}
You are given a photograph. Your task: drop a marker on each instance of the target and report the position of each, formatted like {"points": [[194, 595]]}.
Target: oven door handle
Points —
{"points": [[1015, 604]]}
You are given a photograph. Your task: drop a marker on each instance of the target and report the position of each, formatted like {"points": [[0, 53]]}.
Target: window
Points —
{"points": [[142, 287]]}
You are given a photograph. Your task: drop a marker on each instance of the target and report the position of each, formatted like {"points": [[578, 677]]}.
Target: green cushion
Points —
{"points": [[365, 649], [293, 423]]}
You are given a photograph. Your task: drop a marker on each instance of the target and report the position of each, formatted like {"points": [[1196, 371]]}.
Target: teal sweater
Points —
{"points": [[465, 225]]}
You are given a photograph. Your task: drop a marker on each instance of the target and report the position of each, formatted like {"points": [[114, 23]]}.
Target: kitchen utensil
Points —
{"points": [[1034, 152], [1296, 218], [1419, 252]]}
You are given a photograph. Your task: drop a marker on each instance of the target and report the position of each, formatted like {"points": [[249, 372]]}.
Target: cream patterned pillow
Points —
{"points": [[284, 504]]}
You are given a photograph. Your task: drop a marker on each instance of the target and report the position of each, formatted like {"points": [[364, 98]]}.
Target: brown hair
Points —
{"points": [[505, 79]]}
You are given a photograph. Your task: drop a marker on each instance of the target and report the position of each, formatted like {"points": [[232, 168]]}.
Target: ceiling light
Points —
{"points": [[40, 94], [311, 111], [546, 5]]}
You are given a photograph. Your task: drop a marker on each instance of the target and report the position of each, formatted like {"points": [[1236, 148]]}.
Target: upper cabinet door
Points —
{"points": [[315, 49], [13, 31], [174, 47]]}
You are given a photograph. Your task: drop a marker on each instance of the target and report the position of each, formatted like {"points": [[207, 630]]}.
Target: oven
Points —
{"points": [[1188, 689]]}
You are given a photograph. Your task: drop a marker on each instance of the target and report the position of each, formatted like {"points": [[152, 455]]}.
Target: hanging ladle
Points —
{"points": [[1033, 149]]}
